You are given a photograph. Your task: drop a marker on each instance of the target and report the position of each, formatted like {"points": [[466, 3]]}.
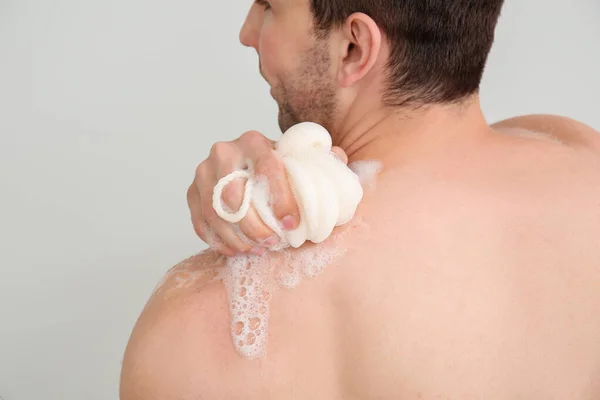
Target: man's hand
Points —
{"points": [[251, 235]]}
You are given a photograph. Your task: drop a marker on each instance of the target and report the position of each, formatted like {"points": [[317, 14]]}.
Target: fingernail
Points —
{"points": [[272, 241], [289, 222], [258, 251]]}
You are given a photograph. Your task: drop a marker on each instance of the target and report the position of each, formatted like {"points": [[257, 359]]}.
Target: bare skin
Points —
{"points": [[479, 279], [472, 269]]}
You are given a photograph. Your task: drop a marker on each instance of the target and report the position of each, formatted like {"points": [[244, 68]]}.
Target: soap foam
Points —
{"points": [[192, 272], [367, 171], [212, 239], [249, 290], [242, 235], [308, 262], [250, 281], [262, 200]]}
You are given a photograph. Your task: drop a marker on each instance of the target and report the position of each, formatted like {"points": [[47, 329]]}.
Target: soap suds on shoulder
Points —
{"points": [[196, 271], [251, 280], [367, 171]]}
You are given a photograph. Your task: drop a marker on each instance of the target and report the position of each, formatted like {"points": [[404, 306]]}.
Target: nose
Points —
{"points": [[250, 30]]}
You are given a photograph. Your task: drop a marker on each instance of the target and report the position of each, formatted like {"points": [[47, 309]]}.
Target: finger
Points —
{"points": [[254, 145], [341, 154], [253, 227], [216, 243], [266, 163], [284, 205], [224, 158], [222, 229], [194, 205], [203, 180], [233, 194], [200, 226], [228, 235]]}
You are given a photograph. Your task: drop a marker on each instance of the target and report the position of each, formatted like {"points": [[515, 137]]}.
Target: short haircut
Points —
{"points": [[439, 48]]}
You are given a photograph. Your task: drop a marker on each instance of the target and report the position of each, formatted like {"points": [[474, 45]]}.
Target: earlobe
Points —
{"points": [[362, 45]]}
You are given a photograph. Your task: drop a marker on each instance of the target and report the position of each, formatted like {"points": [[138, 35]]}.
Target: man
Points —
{"points": [[471, 270]]}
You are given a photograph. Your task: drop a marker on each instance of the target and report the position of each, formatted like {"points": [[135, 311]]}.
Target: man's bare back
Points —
{"points": [[471, 271]]}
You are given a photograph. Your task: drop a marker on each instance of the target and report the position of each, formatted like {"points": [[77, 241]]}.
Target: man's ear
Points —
{"points": [[359, 48]]}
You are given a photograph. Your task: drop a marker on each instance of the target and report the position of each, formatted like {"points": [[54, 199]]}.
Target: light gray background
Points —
{"points": [[106, 108]]}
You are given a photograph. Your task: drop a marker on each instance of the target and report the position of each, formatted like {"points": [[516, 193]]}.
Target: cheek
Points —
{"points": [[269, 52], [274, 53]]}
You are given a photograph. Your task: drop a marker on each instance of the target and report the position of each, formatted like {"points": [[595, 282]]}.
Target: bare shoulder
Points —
{"points": [[563, 129], [567, 161], [176, 331]]}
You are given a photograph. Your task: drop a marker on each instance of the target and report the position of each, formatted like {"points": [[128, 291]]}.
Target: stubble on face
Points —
{"points": [[307, 94]]}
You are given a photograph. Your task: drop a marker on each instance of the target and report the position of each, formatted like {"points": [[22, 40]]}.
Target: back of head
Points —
{"points": [[438, 48]]}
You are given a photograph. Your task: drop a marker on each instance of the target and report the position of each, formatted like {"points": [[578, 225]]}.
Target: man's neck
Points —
{"points": [[386, 133]]}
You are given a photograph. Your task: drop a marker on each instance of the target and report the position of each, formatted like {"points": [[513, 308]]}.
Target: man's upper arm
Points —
{"points": [[175, 333], [568, 131]]}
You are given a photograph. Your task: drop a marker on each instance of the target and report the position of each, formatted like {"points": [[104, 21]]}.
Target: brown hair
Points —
{"points": [[439, 48]]}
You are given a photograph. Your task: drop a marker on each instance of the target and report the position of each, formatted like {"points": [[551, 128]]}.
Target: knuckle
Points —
{"points": [[252, 137], [269, 165], [256, 140], [200, 232], [193, 197], [190, 194], [211, 218], [220, 150], [199, 228], [201, 171]]}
